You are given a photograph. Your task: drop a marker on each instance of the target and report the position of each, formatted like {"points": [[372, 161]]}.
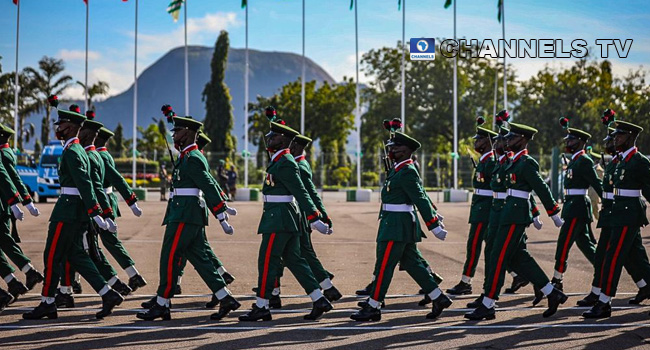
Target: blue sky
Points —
{"points": [[274, 25]]}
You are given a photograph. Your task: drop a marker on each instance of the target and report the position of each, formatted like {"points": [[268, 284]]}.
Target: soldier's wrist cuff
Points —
{"points": [[129, 201], [430, 224], [13, 200], [27, 199], [553, 210]]}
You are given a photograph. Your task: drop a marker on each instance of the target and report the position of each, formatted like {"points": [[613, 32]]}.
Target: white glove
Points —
{"points": [[557, 220], [440, 233], [112, 226], [223, 216], [18, 214], [329, 231], [135, 209], [229, 230], [231, 211], [537, 223], [320, 227], [32, 209], [440, 218], [201, 202], [100, 222]]}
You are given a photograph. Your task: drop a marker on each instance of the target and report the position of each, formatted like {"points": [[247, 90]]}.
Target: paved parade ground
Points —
{"points": [[349, 254]]}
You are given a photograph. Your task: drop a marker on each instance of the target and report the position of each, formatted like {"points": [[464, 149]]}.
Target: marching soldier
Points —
{"points": [[522, 177], [630, 180], [8, 243], [605, 233], [113, 179], [186, 218], [576, 211], [280, 229], [399, 232], [72, 211], [479, 210]]}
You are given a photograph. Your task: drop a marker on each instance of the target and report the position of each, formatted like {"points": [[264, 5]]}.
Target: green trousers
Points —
{"points": [[183, 240], [9, 246], [5, 268], [278, 250], [116, 248], [475, 240], [389, 253], [64, 242], [576, 230], [210, 253], [509, 249], [625, 246], [101, 262], [307, 251], [599, 259]]}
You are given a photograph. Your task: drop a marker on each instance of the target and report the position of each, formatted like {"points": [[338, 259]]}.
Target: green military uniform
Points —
{"points": [[521, 178], [399, 230], [186, 218], [631, 177], [8, 196], [576, 211], [71, 215]]}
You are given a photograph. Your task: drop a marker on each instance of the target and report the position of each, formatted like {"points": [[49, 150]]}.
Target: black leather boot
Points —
{"points": [[321, 306], [332, 294], [16, 288], [367, 313], [5, 299], [33, 277], [155, 312], [426, 300], [538, 296], [518, 282], [228, 278], [481, 313], [461, 288], [42, 310], [555, 299], [212, 303], [590, 300], [151, 302], [275, 302], [136, 282], [64, 300], [256, 314], [122, 288], [109, 301], [641, 295], [76, 287], [365, 291], [476, 303], [440, 303], [178, 290], [228, 304], [600, 310], [364, 303], [557, 283]]}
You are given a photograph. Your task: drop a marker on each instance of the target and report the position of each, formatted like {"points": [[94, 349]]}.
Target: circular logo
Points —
{"points": [[422, 45]]}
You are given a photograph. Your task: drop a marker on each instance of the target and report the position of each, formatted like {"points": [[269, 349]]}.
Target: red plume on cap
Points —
{"points": [[386, 124], [53, 100], [270, 113], [480, 120], [502, 117], [395, 124], [564, 122], [75, 108], [608, 117], [168, 112], [90, 114]]}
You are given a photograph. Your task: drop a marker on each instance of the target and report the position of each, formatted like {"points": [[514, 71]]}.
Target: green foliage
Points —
{"points": [[341, 175], [370, 179], [116, 143], [219, 118], [125, 165], [100, 88], [151, 140]]}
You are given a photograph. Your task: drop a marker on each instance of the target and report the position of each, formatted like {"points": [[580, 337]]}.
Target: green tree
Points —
{"points": [[27, 104], [48, 80], [116, 143], [151, 140], [100, 88], [219, 118]]}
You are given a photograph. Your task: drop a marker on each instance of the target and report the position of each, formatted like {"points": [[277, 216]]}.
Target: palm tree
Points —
{"points": [[27, 104], [100, 88], [47, 81]]}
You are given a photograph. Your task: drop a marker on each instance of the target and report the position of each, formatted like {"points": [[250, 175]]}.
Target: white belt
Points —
{"points": [[608, 195], [70, 191], [484, 193], [518, 194], [575, 192], [187, 192], [277, 198], [621, 192], [499, 195], [108, 190], [400, 208]]}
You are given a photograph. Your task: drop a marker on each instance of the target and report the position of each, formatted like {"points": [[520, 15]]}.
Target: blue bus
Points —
{"points": [[42, 178]]}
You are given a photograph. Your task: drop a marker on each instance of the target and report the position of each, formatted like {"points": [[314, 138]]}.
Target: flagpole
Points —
{"points": [[455, 158], [403, 65], [358, 115], [505, 68], [246, 107], [302, 94], [135, 98], [496, 88], [86, 78], [187, 67], [16, 91]]}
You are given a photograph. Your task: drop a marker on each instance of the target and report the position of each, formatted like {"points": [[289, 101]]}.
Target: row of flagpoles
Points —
{"points": [[174, 8]]}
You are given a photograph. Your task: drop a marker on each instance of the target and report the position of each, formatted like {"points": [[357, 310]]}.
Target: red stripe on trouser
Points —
{"points": [[602, 271], [170, 263], [561, 268], [380, 277], [50, 260], [613, 265], [471, 259], [68, 282], [265, 272], [497, 272]]}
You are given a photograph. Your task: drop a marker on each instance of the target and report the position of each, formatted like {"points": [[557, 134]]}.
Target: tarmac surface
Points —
{"points": [[350, 254]]}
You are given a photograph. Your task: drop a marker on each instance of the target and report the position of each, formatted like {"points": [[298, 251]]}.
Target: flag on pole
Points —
{"points": [[243, 3], [86, 2], [15, 2], [500, 6], [399, 5], [448, 3], [174, 8], [351, 4]]}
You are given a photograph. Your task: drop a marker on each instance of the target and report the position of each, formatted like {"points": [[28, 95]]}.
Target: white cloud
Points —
{"points": [[74, 55]]}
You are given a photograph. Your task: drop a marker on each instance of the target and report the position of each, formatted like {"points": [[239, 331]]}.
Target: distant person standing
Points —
{"points": [[163, 182], [222, 177], [232, 182]]}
